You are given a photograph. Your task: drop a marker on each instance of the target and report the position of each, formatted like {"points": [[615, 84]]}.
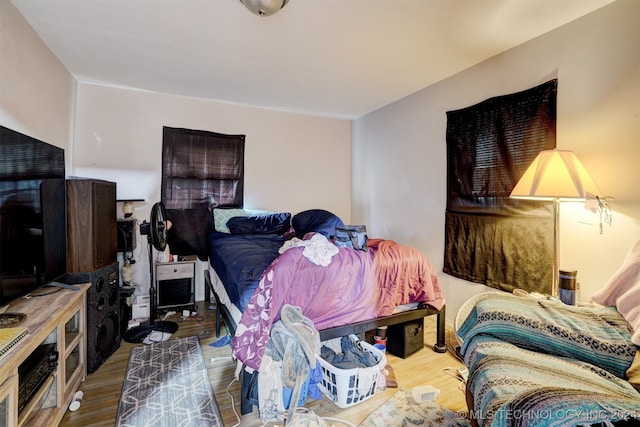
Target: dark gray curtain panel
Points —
{"points": [[490, 238], [200, 170]]}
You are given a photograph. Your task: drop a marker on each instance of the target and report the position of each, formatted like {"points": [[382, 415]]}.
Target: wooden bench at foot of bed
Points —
{"points": [[359, 329]]}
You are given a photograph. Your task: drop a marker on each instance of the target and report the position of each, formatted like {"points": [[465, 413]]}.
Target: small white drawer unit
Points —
{"points": [[175, 284]]}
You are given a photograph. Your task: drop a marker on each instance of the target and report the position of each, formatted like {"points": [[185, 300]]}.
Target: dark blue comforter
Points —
{"points": [[240, 259]]}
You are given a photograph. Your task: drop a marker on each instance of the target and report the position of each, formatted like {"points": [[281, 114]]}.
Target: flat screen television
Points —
{"points": [[32, 215]]}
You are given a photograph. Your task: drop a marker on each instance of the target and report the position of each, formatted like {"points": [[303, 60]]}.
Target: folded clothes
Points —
{"points": [[351, 356]]}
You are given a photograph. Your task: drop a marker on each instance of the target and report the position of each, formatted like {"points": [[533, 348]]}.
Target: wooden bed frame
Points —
{"points": [[358, 328]]}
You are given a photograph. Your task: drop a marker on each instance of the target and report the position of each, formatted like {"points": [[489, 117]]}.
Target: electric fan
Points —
{"points": [[156, 229], [156, 232]]}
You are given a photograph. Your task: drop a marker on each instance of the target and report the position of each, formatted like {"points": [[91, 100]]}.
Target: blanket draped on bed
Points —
{"points": [[355, 286], [535, 362], [511, 386], [599, 336]]}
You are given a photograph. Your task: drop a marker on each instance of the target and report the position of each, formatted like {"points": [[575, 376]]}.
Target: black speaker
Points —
{"points": [[127, 235], [103, 313]]}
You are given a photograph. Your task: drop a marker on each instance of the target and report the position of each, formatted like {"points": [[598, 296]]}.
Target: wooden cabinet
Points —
{"points": [[55, 317], [8, 401]]}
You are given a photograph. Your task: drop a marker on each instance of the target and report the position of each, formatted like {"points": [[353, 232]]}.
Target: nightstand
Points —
{"points": [[175, 284]]}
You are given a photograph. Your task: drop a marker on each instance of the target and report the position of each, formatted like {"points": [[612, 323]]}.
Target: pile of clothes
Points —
{"points": [[351, 355], [289, 364]]}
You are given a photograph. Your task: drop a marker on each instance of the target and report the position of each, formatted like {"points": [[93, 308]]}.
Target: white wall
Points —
{"points": [[292, 162], [36, 90], [597, 62]]}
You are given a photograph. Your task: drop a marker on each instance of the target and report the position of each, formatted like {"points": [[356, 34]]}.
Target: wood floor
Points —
{"points": [[102, 388]]}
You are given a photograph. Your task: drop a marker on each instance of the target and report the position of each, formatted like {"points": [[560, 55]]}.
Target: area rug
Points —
{"points": [[402, 410], [167, 384]]}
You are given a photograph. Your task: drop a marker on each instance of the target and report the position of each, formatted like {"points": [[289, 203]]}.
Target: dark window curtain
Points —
{"points": [[200, 170], [489, 238]]}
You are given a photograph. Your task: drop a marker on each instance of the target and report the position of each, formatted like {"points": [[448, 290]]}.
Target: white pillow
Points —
{"points": [[623, 291]]}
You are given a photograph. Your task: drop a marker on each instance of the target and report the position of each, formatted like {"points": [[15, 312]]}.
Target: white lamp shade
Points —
{"points": [[555, 174]]}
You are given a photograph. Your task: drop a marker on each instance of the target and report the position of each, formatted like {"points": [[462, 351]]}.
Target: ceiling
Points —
{"points": [[332, 58]]}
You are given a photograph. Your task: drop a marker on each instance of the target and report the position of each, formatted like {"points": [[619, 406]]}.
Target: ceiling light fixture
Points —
{"points": [[264, 7]]}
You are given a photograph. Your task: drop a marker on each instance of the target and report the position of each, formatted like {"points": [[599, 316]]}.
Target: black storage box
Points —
{"points": [[405, 339]]}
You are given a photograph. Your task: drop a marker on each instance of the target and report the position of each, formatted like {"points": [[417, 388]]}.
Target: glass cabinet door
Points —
{"points": [[72, 348], [8, 404]]}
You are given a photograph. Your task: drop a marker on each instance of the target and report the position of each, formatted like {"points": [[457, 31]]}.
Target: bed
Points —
{"points": [[539, 362], [344, 291]]}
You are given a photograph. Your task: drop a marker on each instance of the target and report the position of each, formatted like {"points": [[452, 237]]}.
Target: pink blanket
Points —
{"points": [[623, 291], [355, 286]]}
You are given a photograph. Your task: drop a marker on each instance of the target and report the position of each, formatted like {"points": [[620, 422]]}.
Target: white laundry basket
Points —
{"points": [[348, 387]]}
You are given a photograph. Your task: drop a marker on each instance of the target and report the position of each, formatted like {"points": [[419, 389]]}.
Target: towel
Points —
{"points": [[317, 248], [623, 291]]}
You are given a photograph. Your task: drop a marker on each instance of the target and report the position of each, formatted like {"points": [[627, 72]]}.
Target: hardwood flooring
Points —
{"points": [[102, 388]]}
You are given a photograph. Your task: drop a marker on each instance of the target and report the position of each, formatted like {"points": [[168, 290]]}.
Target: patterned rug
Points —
{"points": [[167, 384], [402, 410]]}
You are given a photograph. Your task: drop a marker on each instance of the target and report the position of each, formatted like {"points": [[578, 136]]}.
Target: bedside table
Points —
{"points": [[175, 284]]}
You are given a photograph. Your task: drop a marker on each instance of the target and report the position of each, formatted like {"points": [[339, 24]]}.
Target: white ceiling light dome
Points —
{"points": [[264, 7]]}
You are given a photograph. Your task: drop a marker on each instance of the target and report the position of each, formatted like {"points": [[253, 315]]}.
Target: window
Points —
{"points": [[490, 238], [200, 170]]}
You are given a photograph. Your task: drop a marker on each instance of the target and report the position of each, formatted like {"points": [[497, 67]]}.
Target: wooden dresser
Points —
{"points": [[54, 316]]}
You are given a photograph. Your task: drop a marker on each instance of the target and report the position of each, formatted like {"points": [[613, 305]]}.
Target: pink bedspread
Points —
{"points": [[355, 286]]}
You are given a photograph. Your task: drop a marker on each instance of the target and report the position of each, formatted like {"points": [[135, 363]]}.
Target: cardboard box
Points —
{"points": [[141, 309], [143, 299]]}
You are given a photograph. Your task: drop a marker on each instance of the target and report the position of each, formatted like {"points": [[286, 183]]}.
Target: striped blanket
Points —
{"points": [[599, 336], [510, 386], [542, 363]]}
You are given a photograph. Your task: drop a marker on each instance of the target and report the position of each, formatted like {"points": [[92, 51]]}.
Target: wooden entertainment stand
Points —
{"points": [[58, 316]]}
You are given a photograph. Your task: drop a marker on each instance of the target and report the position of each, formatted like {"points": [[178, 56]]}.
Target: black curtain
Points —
{"points": [[490, 238], [200, 170]]}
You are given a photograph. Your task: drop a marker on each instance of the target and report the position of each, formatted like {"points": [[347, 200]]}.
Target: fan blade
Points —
{"points": [[158, 232]]}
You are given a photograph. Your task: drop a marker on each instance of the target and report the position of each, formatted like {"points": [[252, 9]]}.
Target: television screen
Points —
{"points": [[32, 214]]}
